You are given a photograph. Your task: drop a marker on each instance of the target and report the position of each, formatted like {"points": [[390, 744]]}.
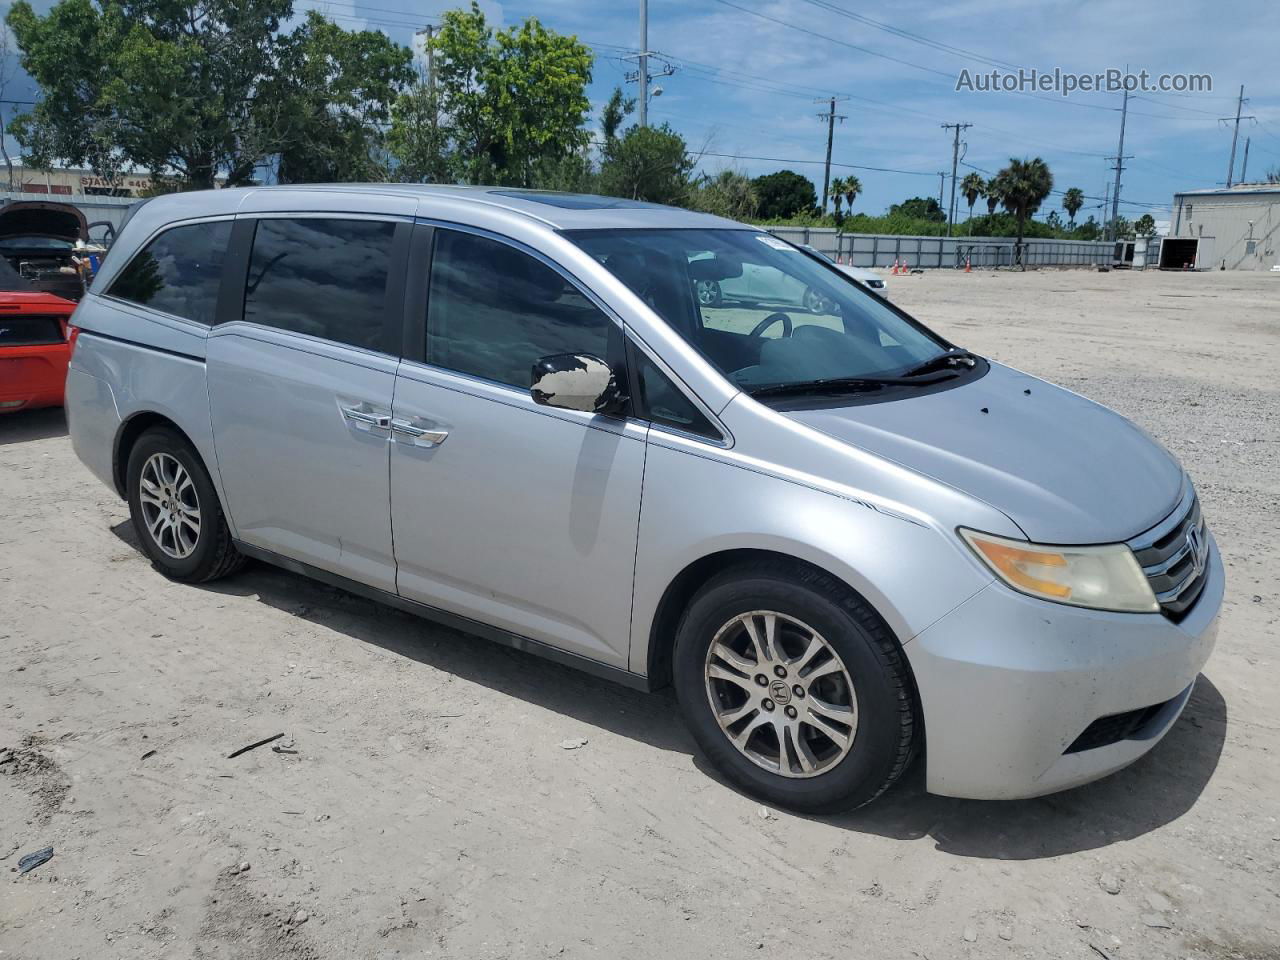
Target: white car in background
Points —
{"points": [[758, 283], [867, 277]]}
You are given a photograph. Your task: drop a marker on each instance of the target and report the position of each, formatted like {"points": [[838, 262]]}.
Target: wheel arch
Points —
{"points": [[127, 435], [682, 588]]}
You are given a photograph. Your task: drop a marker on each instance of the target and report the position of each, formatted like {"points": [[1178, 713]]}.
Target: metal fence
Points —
{"points": [[882, 250]]}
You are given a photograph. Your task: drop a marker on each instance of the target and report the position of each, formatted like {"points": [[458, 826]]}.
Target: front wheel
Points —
{"points": [[175, 510], [794, 688]]}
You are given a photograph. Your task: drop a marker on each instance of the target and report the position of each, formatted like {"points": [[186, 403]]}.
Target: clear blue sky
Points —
{"points": [[745, 84]]}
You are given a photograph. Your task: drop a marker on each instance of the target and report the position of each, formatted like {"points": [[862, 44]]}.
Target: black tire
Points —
{"points": [[882, 747], [214, 554]]}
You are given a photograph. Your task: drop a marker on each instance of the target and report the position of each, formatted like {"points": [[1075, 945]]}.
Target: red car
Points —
{"points": [[35, 344]]}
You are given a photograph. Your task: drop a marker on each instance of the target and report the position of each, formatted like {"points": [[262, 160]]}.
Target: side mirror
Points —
{"points": [[576, 381]]}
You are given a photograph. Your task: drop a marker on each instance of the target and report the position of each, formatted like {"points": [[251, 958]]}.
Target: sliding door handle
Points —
{"points": [[418, 436], [365, 418]]}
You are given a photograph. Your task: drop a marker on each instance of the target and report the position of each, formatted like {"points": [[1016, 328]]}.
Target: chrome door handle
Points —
{"points": [[356, 415], [418, 436]]}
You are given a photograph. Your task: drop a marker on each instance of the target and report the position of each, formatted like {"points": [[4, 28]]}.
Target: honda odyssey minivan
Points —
{"points": [[846, 542]]}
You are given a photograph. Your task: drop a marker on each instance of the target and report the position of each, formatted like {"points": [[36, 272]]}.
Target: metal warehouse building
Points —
{"points": [[1234, 229]]}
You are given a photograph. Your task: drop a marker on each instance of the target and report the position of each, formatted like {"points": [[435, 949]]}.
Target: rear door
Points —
{"points": [[301, 373], [517, 515]]}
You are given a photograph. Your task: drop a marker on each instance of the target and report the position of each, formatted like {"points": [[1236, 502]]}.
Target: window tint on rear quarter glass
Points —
{"points": [[178, 272], [493, 310], [326, 278]]}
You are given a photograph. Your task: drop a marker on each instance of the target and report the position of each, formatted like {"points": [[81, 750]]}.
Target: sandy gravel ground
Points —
{"points": [[420, 804]]}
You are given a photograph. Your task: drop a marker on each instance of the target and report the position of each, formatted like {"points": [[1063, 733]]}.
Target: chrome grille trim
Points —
{"points": [[1174, 556]]}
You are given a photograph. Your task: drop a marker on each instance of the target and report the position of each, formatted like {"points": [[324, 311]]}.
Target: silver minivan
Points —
{"points": [[843, 540]]}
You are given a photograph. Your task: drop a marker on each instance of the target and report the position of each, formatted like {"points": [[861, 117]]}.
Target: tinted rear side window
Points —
{"points": [[326, 278], [494, 310], [178, 272]]}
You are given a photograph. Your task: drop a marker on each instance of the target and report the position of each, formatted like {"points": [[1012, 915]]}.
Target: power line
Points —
{"points": [[843, 43], [914, 37]]}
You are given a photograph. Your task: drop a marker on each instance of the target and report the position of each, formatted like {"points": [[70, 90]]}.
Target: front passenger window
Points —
{"points": [[493, 310]]}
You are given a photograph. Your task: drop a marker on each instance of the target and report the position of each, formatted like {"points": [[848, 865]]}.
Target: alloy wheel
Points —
{"points": [[781, 694], [170, 506]]}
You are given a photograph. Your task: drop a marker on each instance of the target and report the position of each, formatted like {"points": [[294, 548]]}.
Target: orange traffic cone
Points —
{"points": [[905, 268], [967, 269], [893, 272]]}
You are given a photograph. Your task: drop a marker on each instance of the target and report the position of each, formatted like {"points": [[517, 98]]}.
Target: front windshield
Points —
{"points": [[762, 311]]}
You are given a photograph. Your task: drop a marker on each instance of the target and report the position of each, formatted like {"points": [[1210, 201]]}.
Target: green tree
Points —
{"points": [[784, 194], [510, 103], [194, 93], [338, 87], [648, 163], [1072, 201], [852, 188], [993, 197], [152, 84], [973, 187], [1123, 229], [920, 208], [836, 188], [1145, 226], [614, 114], [1023, 186], [727, 194], [1089, 230], [417, 140]]}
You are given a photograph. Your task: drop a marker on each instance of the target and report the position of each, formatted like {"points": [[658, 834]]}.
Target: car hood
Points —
{"points": [[41, 218], [1063, 468]]}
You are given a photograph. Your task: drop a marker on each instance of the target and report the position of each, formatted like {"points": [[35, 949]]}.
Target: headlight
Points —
{"points": [[1102, 578]]}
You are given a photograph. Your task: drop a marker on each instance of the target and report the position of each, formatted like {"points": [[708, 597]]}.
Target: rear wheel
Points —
{"points": [[794, 688], [175, 510]]}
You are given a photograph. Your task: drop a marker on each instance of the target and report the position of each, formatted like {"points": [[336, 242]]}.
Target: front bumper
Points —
{"points": [[1007, 683]]}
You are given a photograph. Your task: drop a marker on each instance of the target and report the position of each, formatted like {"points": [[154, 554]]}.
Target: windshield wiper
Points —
{"points": [[843, 385], [947, 360]]}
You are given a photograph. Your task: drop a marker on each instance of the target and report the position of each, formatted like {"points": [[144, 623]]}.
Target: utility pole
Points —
{"points": [[1119, 158], [955, 161], [942, 185], [643, 63], [1240, 102], [642, 76], [1244, 166], [430, 31], [831, 117]]}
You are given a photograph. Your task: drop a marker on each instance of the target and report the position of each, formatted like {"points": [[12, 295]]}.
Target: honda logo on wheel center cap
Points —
{"points": [[781, 692]]}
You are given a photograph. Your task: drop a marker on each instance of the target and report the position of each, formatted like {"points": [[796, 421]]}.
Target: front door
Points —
{"points": [[514, 514], [300, 388]]}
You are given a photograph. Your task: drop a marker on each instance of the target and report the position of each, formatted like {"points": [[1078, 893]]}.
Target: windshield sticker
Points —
{"points": [[774, 242]]}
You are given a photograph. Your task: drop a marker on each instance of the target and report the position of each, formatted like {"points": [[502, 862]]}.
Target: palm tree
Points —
{"points": [[972, 186], [837, 194], [1023, 186], [993, 197], [1072, 201], [852, 187]]}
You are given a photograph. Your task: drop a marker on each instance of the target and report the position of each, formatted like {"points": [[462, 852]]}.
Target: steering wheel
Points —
{"points": [[769, 321]]}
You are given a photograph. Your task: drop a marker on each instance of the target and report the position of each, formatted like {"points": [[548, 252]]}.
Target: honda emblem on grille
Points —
{"points": [[1195, 540]]}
